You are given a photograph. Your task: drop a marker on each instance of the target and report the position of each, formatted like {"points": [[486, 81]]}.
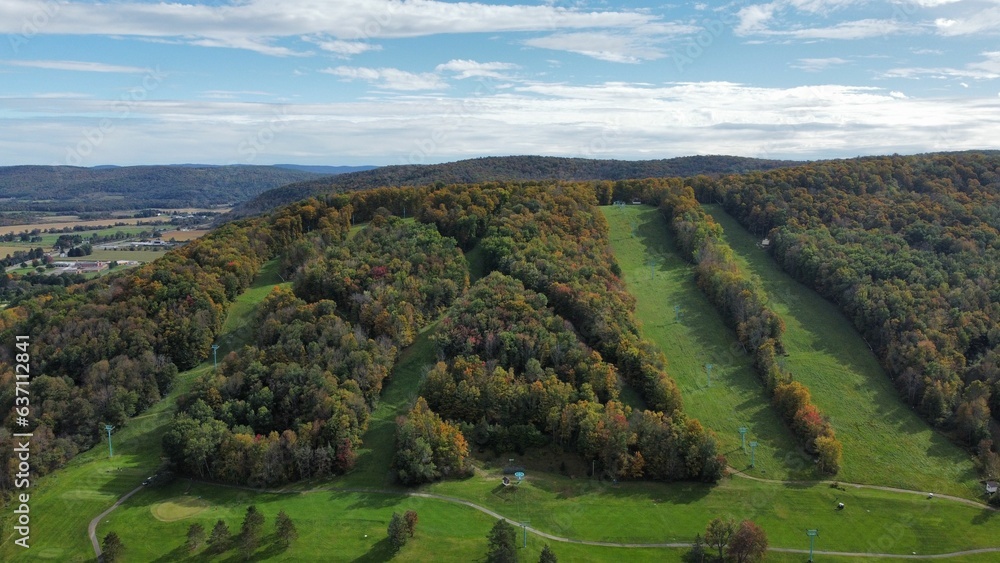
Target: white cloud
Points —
{"points": [[77, 66], [970, 22], [52, 95], [257, 24], [341, 47], [604, 46], [231, 94], [788, 19], [250, 44], [986, 69], [859, 29], [471, 69], [816, 65], [349, 27], [608, 120], [821, 6], [991, 63], [938, 72], [390, 78], [928, 3], [754, 18]]}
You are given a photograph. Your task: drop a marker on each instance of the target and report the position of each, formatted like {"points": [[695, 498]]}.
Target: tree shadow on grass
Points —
{"points": [[376, 500], [798, 485], [204, 553], [381, 551], [270, 551], [678, 492], [984, 516], [179, 553], [229, 553]]}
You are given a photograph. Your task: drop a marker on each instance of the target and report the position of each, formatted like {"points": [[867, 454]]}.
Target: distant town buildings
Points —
{"points": [[81, 267]]}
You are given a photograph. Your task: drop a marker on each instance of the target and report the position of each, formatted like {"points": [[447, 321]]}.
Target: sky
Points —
{"points": [[379, 82]]}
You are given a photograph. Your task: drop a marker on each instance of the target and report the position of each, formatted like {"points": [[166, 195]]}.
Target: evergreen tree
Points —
{"points": [[697, 553], [220, 536], [250, 532], [547, 555], [502, 543], [112, 548], [195, 536], [397, 531], [285, 529]]}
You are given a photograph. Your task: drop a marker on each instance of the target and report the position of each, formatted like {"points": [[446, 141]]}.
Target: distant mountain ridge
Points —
{"points": [[506, 168], [108, 188], [331, 170]]}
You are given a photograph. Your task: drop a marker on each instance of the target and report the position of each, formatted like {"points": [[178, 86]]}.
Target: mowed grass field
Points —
{"points": [[872, 521], [735, 397], [333, 526], [885, 442], [332, 523]]}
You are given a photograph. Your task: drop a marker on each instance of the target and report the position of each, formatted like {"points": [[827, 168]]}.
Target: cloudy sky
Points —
{"points": [[423, 81]]}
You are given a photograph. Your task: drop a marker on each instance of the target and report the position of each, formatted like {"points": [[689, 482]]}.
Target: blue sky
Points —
{"points": [[423, 81]]}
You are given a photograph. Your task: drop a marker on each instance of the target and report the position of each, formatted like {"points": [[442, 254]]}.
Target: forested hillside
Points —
{"points": [[74, 189], [294, 403], [518, 374], [105, 350], [537, 352], [908, 248], [506, 169]]}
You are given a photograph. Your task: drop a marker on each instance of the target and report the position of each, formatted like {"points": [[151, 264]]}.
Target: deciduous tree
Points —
{"points": [[411, 522], [719, 532], [747, 544]]}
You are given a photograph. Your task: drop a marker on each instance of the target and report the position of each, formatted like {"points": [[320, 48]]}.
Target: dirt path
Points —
{"points": [[970, 502], [92, 527]]}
